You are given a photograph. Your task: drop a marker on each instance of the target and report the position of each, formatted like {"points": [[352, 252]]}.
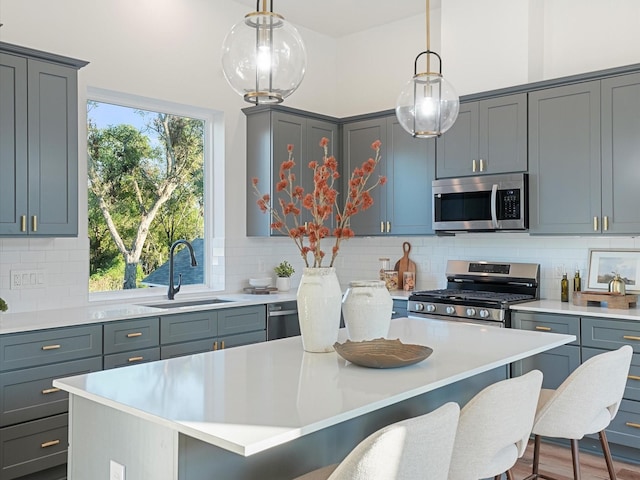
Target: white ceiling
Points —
{"points": [[337, 18]]}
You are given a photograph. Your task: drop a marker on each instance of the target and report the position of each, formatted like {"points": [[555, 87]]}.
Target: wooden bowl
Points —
{"points": [[382, 353]]}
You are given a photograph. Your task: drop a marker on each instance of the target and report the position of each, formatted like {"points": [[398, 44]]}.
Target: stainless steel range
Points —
{"points": [[478, 292]]}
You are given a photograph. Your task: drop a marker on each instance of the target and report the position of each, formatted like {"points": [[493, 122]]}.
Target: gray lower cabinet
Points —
{"points": [[399, 308], [587, 135], [488, 137], [128, 342], [38, 143], [555, 364], [197, 332], [408, 165], [595, 336], [602, 334], [269, 132], [33, 419]]}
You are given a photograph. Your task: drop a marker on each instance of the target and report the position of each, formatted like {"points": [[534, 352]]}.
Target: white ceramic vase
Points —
{"points": [[283, 284], [367, 307], [319, 300]]}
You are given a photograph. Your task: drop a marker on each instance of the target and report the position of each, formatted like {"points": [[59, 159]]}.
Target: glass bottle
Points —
{"points": [[577, 282], [564, 288], [384, 265]]}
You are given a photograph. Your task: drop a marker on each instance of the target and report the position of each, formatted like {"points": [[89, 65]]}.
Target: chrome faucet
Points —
{"points": [[173, 290]]}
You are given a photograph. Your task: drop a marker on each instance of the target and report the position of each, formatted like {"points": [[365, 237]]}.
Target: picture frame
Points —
{"points": [[604, 262]]}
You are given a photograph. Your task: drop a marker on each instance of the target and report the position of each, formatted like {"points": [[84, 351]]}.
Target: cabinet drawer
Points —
{"points": [[24, 350], [188, 326], [543, 322], [33, 446], [625, 427], [131, 335], [242, 319], [28, 394], [188, 348], [610, 334], [632, 391], [242, 339], [134, 357]]}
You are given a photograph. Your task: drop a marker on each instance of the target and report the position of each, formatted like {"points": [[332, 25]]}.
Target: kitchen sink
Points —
{"points": [[186, 303]]}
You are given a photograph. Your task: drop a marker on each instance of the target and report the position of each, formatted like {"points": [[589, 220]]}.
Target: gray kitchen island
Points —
{"points": [[271, 410]]}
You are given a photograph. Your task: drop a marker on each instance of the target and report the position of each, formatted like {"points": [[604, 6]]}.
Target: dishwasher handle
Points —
{"points": [[282, 313]]}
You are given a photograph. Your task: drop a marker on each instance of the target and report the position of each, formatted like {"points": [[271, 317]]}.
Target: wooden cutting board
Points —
{"points": [[404, 264]]}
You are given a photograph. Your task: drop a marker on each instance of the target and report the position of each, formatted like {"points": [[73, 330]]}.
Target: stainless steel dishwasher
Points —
{"points": [[282, 320]]}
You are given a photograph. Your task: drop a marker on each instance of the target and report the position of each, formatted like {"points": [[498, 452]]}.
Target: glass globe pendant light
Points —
{"points": [[428, 104], [263, 57]]}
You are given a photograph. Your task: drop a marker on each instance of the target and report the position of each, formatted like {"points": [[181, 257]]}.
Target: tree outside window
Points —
{"points": [[146, 190]]}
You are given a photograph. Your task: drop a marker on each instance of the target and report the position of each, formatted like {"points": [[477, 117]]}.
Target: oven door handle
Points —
{"points": [[494, 206]]}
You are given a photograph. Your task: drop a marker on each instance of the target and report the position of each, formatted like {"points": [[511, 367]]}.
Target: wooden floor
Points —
{"points": [[555, 461]]}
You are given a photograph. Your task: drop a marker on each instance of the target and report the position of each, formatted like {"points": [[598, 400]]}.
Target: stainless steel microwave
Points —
{"points": [[482, 203]]}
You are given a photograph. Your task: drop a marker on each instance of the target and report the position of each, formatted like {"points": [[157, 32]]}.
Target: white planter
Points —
{"points": [[319, 299], [367, 308], [283, 284]]}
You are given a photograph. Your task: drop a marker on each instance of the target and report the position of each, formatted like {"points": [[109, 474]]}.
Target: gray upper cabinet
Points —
{"points": [[269, 132], [488, 137], [584, 150], [620, 154], [408, 164], [38, 143], [564, 159]]}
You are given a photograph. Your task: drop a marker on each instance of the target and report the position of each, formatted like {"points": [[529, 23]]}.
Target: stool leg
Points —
{"points": [[607, 454], [509, 475], [536, 454], [575, 456]]}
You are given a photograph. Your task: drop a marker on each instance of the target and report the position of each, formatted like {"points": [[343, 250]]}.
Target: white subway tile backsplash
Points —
{"points": [[66, 261]]}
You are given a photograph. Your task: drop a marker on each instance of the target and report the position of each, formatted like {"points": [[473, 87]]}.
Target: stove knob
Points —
{"points": [[419, 307], [471, 312], [484, 313], [431, 308], [451, 310]]}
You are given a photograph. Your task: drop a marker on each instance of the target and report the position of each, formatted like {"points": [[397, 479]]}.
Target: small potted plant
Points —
{"points": [[284, 272], [3, 305]]}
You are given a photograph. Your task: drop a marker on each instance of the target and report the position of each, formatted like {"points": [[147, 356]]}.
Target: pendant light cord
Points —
{"points": [[428, 37]]}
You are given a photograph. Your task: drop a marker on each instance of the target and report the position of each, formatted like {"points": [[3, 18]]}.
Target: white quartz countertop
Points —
{"points": [[105, 312], [568, 308], [252, 398]]}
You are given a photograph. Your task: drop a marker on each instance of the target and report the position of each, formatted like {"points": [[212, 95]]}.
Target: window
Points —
{"points": [[147, 189]]}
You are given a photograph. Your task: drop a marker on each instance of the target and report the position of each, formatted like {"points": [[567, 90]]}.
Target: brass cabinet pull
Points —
{"points": [[473, 165], [381, 227], [34, 223], [23, 223], [135, 359], [481, 165], [546, 329], [633, 377], [605, 223], [306, 226], [595, 224], [135, 334], [388, 227], [632, 424], [630, 337], [46, 391], [215, 345], [50, 443], [222, 345], [50, 347]]}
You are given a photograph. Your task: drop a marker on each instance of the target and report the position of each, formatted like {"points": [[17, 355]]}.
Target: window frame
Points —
{"points": [[212, 126]]}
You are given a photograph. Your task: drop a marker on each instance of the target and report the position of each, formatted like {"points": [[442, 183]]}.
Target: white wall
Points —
{"points": [[170, 50]]}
